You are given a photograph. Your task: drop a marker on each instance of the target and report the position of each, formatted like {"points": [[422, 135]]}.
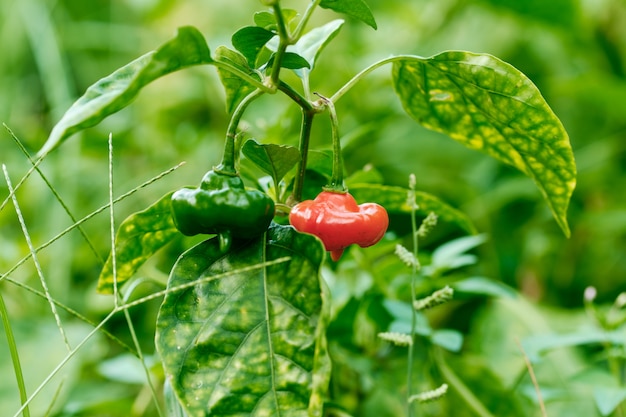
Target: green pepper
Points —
{"points": [[222, 205]]}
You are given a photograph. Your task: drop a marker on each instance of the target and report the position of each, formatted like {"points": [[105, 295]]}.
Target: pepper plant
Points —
{"points": [[242, 325]]}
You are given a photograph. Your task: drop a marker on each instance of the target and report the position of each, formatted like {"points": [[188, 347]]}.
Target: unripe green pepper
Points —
{"points": [[222, 205]]}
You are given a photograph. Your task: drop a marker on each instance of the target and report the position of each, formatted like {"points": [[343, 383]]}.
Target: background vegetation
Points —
{"points": [[575, 51]]}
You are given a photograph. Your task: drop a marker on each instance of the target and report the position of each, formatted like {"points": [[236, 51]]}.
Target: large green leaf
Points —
{"points": [[357, 9], [251, 342], [488, 105], [116, 91], [137, 239], [395, 199]]}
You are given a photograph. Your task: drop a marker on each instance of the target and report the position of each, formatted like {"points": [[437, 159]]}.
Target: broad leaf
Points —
{"points": [[394, 199], [275, 160], [113, 93], [139, 237], [251, 340], [236, 89], [488, 105], [357, 9], [250, 40]]}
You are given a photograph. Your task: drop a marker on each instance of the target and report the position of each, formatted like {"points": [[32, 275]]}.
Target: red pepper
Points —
{"points": [[337, 220]]}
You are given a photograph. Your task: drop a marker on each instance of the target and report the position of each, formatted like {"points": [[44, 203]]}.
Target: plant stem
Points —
{"points": [[346, 87], [305, 18], [15, 357], [305, 139], [284, 41], [336, 181], [227, 166], [414, 268]]}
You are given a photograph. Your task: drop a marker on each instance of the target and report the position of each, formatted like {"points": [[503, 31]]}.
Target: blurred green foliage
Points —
{"points": [[52, 50]]}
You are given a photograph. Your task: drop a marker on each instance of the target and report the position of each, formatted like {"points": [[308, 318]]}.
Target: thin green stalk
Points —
{"points": [[336, 181], [414, 269], [31, 248], [457, 384], [283, 43], [305, 139], [227, 166], [15, 357], [305, 18], [346, 87]]}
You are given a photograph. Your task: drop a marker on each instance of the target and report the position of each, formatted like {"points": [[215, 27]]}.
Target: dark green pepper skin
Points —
{"points": [[222, 205]]}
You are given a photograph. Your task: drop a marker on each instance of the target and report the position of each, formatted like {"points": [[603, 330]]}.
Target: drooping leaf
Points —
{"points": [[357, 9], [250, 342], [116, 91], [250, 40], [236, 89], [139, 237], [488, 105], [275, 160], [394, 199]]}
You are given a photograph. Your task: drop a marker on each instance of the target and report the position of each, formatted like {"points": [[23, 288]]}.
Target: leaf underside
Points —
{"points": [[251, 342], [488, 105]]}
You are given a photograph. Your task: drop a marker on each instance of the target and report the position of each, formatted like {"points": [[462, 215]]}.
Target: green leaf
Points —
{"points": [[113, 93], [250, 40], [311, 44], [244, 337], [139, 237], [357, 9], [534, 346], [267, 20], [275, 160], [452, 254], [236, 89], [394, 199], [449, 339], [488, 105], [294, 61], [607, 399], [483, 286]]}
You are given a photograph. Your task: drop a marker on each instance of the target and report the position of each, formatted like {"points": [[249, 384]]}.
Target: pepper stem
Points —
{"points": [[336, 181], [227, 166]]}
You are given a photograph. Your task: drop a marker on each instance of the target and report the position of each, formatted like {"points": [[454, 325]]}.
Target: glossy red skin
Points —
{"points": [[338, 221]]}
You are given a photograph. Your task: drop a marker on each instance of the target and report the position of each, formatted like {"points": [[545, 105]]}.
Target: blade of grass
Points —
{"points": [[31, 248], [15, 357]]}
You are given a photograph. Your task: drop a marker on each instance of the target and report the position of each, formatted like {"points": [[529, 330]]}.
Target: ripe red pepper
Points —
{"points": [[337, 220]]}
